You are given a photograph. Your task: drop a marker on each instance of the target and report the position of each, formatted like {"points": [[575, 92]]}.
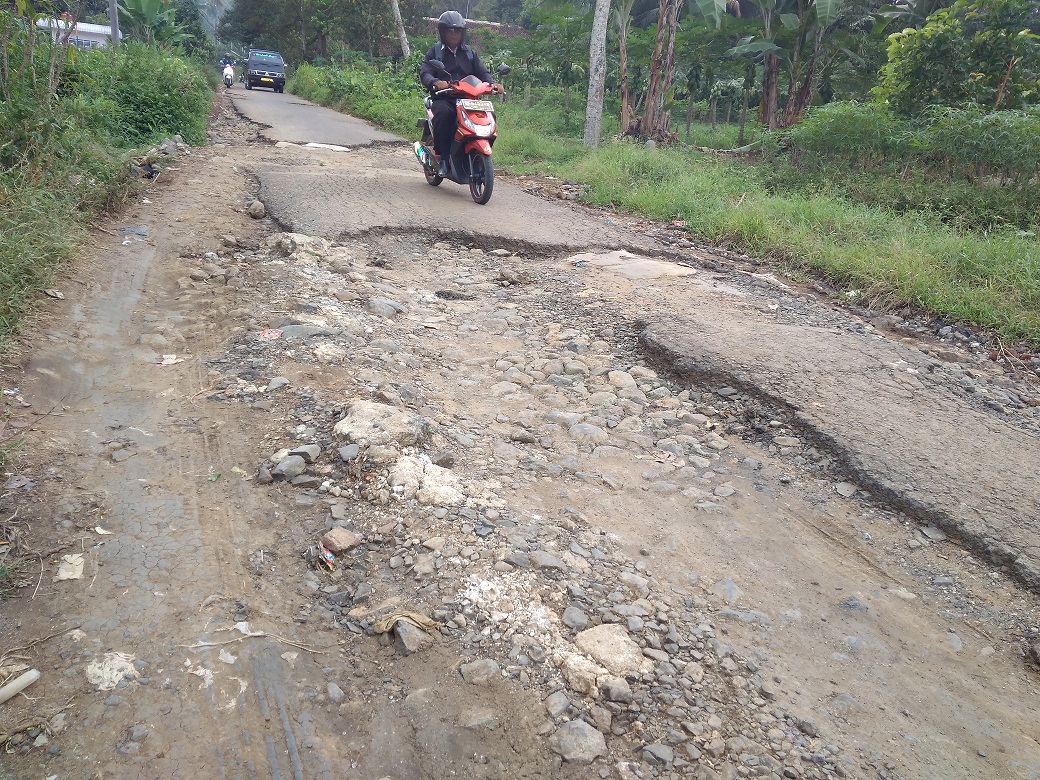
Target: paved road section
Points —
{"points": [[902, 436], [300, 121], [356, 193], [905, 436]]}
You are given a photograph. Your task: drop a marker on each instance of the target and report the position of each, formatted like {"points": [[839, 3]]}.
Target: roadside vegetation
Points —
{"points": [[70, 120]]}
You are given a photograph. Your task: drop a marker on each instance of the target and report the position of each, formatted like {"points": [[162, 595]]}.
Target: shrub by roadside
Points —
{"points": [[65, 140]]}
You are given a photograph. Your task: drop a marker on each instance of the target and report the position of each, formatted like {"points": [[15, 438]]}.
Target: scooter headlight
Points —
{"points": [[481, 131]]}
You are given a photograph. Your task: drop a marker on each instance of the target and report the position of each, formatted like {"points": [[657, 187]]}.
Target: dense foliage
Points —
{"points": [[68, 118], [985, 54], [971, 168]]}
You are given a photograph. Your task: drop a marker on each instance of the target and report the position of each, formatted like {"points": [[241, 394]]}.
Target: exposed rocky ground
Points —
{"points": [[481, 531]]}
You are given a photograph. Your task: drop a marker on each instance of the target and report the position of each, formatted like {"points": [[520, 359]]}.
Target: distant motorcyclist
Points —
{"points": [[460, 61]]}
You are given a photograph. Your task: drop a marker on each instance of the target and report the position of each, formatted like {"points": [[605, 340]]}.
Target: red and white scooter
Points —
{"points": [[469, 161]]}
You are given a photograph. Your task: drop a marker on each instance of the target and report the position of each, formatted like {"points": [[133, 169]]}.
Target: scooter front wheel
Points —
{"points": [[482, 177], [431, 177]]}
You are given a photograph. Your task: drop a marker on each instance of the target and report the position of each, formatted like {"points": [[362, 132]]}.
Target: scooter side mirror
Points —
{"points": [[438, 65], [504, 69]]}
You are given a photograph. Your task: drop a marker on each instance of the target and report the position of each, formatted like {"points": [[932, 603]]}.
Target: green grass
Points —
{"points": [[63, 152], [892, 259], [911, 255]]}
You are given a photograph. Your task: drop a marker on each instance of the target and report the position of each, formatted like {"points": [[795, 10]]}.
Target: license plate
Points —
{"points": [[271, 80], [478, 105]]}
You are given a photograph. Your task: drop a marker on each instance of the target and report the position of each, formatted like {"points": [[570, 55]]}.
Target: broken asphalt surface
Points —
{"points": [[674, 516]]}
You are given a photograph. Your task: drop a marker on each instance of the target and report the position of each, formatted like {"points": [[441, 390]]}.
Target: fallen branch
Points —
{"points": [[253, 636], [8, 653], [205, 390], [36, 720], [19, 684]]}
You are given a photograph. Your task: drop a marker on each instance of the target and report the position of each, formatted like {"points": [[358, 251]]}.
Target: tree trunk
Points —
{"points": [[406, 50], [743, 117], [729, 109], [321, 42], [799, 95], [689, 116], [527, 95], [597, 73], [623, 17], [713, 105], [655, 122], [767, 109], [626, 107]]}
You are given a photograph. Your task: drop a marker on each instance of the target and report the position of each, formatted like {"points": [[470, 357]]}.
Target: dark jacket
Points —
{"points": [[464, 62]]}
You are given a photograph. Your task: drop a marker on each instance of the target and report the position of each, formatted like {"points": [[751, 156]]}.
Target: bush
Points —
{"points": [[961, 57], [65, 134], [853, 131], [974, 169], [142, 93]]}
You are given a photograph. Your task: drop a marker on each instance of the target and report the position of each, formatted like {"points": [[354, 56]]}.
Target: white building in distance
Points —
{"points": [[84, 35]]}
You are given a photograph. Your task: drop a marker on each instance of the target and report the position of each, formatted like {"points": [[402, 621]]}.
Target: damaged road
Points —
{"points": [[384, 484]]}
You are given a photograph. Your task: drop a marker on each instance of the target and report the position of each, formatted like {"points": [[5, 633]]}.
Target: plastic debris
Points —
{"points": [[417, 619], [55, 294], [106, 673], [70, 568], [326, 556], [169, 360], [101, 531], [270, 334]]}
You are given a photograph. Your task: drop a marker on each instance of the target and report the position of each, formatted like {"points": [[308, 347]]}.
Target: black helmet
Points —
{"points": [[450, 20]]}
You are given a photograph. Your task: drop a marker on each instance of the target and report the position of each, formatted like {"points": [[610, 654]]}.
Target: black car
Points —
{"points": [[265, 69]]}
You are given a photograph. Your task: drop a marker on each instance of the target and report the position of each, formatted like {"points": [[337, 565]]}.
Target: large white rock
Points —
{"points": [[610, 645], [439, 487], [415, 477], [581, 674], [304, 249], [369, 423]]}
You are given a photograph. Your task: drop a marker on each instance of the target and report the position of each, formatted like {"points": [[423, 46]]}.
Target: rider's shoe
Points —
{"points": [[442, 167]]}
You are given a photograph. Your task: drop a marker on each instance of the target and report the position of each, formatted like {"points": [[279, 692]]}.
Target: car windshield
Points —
{"points": [[266, 58]]}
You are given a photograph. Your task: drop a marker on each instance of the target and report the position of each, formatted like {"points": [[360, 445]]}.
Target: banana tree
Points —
{"points": [[623, 23], [808, 21], [151, 21], [655, 123]]}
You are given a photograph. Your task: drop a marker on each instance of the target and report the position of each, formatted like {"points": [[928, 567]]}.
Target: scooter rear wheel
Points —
{"points": [[482, 180]]}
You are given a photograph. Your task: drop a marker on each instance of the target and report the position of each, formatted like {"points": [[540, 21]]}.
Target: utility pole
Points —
{"points": [[113, 20]]}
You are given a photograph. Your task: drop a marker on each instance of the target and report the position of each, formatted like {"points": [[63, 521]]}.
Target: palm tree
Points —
{"points": [[597, 73]]}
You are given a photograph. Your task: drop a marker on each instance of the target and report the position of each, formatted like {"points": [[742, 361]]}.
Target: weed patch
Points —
{"points": [[68, 122]]}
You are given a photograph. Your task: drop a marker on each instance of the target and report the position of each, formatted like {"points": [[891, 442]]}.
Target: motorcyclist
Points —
{"points": [[460, 61]]}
